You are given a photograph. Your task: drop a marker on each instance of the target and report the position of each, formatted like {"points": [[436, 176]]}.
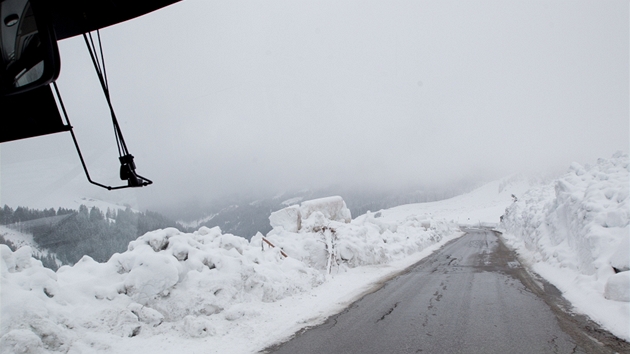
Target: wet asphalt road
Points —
{"points": [[470, 297]]}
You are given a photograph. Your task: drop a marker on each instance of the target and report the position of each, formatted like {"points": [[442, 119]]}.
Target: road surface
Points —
{"points": [[472, 296]]}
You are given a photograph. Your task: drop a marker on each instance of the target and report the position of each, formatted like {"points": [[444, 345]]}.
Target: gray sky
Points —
{"points": [[218, 97]]}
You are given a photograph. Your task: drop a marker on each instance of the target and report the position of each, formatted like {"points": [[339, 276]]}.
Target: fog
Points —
{"points": [[222, 97]]}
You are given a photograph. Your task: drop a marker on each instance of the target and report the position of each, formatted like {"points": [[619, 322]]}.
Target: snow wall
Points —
{"points": [[581, 221], [190, 284], [576, 233]]}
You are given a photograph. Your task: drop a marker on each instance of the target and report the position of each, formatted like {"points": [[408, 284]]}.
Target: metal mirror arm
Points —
{"points": [[127, 165]]}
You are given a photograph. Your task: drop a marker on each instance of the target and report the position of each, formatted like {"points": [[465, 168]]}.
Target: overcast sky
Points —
{"points": [[219, 97]]}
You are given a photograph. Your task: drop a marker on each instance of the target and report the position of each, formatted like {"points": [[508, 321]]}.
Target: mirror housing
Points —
{"points": [[29, 56]]}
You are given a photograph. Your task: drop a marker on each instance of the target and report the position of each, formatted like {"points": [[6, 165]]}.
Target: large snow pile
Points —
{"points": [[319, 233], [576, 232], [290, 218], [191, 285]]}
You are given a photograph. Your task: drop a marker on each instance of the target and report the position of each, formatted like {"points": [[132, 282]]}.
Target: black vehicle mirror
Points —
{"points": [[28, 48]]}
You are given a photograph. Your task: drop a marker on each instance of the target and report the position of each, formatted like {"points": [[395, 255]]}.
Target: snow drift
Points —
{"points": [[575, 232], [192, 284], [325, 238]]}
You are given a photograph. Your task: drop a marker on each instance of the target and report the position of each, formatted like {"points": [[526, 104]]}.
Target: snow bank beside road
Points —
{"points": [[326, 240], [575, 232], [194, 287]]}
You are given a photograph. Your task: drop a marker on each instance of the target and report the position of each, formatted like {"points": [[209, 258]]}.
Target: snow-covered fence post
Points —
{"points": [[330, 238], [272, 245], [329, 248]]}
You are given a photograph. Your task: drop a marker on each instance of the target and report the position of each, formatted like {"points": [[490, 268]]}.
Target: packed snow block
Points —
{"points": [[618, 287], [333, 208], [620, 260], [288, 218], [311, 214]]}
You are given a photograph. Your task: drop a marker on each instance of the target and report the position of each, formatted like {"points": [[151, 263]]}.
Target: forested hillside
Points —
{"points": [[70, 234]]}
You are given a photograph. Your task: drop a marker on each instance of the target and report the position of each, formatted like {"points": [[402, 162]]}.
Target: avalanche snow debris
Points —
{"points": [[190, 282], [576, 231]]}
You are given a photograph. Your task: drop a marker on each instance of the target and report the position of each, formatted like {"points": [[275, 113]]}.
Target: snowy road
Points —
{"points": [[470, 297]]}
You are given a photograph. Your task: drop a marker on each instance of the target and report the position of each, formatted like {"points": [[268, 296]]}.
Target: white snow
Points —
{"points": [[216, 293], [287, 218], [315, 211], [20, 239], [482, 207], [618, 287], [574, 232], [332, 208]]}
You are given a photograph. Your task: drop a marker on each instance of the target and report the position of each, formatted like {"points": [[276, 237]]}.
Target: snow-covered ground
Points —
{"points": [[575, 232], [215, 293]]}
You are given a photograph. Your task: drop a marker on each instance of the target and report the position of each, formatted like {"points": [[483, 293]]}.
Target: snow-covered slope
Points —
{"points": [[484, 205], [575, 232], [19, 239]]}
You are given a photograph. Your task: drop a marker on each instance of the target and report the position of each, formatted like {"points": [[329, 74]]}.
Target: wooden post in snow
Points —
{"points": [[272, 245]]}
